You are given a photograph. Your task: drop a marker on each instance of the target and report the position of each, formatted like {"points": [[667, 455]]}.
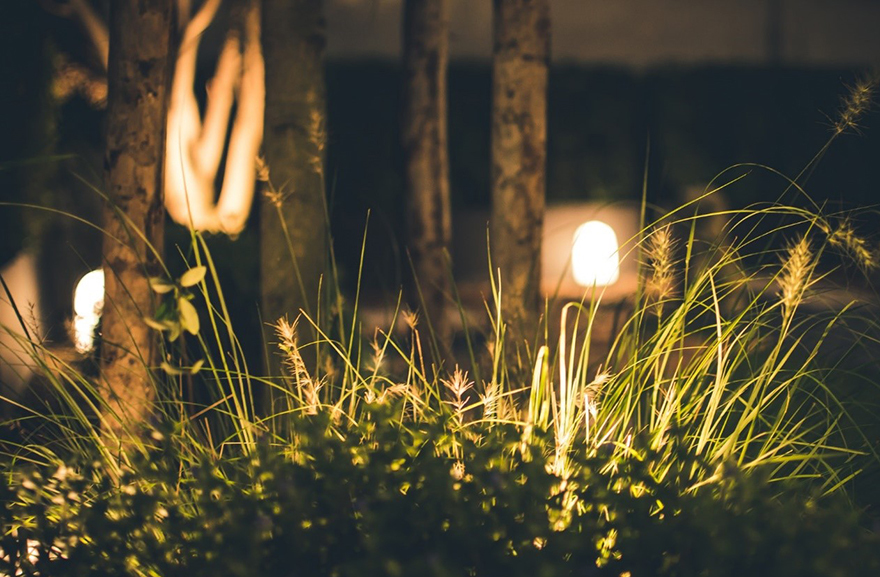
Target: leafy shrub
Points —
{"points": [[377, 498]]}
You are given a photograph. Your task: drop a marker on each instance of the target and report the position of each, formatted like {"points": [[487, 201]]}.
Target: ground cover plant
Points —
{"points": [[384, 500], [722, 432]]}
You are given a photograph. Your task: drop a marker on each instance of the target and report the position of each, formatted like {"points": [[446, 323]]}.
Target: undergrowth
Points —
{"points": [[375, 498]]}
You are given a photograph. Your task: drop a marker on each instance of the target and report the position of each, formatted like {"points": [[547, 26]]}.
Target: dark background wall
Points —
{"points": [[641, 33]]}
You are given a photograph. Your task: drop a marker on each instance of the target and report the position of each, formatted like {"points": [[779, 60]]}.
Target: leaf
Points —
{"points": [[160, 285], [189, 317], [177, 371], [196, 366], [173, 371], [157, 325], [174, 331], [193, 276]]}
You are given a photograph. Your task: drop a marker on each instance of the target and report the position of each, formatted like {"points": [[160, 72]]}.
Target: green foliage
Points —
{"points": [[182, 315], [378, 499]]}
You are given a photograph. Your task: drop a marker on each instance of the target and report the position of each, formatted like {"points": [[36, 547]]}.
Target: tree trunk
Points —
{"points": [[519, 151], [138, 81], [293, 210], [428, 212]]}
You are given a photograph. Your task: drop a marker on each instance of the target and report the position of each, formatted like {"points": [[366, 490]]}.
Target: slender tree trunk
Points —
{"points": [[293, 235], [519, 151], [428, 212], [138, 81]]}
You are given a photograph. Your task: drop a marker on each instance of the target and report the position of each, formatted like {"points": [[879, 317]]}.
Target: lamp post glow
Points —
{"points": [[88, 303], [595, 259]]}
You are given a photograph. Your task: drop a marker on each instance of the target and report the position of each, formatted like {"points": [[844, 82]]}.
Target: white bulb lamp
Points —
{"points": [[88, 303], [595, 258]]}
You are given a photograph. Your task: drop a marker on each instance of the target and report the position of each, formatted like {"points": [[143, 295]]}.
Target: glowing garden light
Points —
{"points": [[88, 303], [595, 259]]}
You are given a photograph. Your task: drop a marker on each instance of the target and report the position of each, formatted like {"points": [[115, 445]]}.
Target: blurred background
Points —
{"points": [[671, 90]]}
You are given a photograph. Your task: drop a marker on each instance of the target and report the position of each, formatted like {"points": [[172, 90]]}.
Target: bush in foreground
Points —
{"points": [[381, 499]]}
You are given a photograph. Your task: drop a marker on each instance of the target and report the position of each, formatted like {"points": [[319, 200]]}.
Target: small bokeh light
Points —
{"points": [[595, 259], [88, 303]]}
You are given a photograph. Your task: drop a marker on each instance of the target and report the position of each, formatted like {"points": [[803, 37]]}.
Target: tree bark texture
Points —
{"points": [[294, 39], [139, 76], [521, 35], [424, 135]]}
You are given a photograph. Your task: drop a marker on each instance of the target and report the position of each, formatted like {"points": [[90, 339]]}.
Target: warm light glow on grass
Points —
{"points": [[88, 303], [594, 255]]}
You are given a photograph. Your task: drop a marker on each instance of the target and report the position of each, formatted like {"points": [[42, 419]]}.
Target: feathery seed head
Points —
{"points": [[458, 385], [296, 367], [490, 400], [797, 267], [378, 353], [286, 332], [317, 133], [411, 318], [310, 392], [855, 104], [262, 169], [274, 197], [845, 237], [659, 252]]}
